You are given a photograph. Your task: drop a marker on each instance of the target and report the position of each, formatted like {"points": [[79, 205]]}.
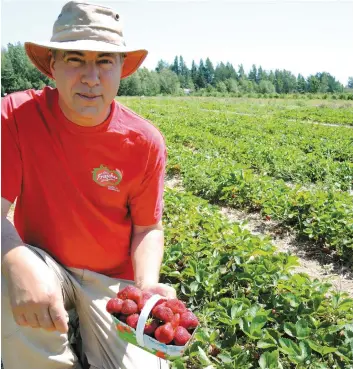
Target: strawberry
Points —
{"points": [[145, 296], [150, 326], [175, 321], [132, 320], [188, 320], [181, 336], [131, 293], [129, 307], [163, 313], [164, 333], [114, 305], [161, 302], [176, 306]]}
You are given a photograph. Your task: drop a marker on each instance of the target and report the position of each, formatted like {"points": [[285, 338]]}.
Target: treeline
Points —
{"points": [[18, 73], [205, 79]]}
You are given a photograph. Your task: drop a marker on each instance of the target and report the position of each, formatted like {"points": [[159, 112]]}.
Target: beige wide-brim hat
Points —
{"points": [[86, 27]]}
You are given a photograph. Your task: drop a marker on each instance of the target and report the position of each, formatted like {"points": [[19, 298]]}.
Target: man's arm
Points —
{"points": [[147, 248], [35, 294], [11, 242]]}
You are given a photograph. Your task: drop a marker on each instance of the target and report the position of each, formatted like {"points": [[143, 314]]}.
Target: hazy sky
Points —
{"points": [[300, 36]]}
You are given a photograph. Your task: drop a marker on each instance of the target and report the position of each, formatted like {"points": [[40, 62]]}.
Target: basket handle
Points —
{"points": [[145, 312]]}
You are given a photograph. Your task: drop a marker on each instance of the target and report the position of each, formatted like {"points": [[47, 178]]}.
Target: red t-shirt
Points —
{"points": [[80, 189]]}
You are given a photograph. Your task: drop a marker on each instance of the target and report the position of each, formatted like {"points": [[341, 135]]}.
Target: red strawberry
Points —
{"points": [[181, 336], [163, 313], [132, 320], [114, 305], [129, 307], [164, 333], [145, 296], [188, 320], [151, 326], [131, 293], [161, 302], [176, 306], [175, 321]]}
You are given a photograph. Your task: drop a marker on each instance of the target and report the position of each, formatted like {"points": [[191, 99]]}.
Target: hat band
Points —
{"points": [[84, 33]]}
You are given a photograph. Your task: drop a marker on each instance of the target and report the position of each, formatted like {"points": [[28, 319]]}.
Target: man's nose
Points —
{"points": [[90, 74]]}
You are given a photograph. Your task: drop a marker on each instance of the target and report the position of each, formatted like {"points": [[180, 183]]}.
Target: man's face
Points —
{"points": [[87, 82]]}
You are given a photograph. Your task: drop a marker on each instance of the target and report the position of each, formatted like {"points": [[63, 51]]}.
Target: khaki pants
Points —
{"points": [[87, 292]]}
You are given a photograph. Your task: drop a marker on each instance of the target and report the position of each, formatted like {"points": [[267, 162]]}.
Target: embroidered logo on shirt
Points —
{"points": [[107, 178]]}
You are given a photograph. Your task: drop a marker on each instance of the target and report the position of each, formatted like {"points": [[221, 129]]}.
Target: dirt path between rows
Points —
{"points": [[315, 264]]}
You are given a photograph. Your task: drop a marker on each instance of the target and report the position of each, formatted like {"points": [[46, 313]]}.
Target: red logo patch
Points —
{"points": [[106, 177]]}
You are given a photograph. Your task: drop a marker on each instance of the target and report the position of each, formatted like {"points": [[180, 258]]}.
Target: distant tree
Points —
{"points": [[194, 73], [241, 72], [149, 82], [301, 84], [209, 71], [247, 86], [350, 82], [266, 87], [313, 84], [175, 66], [130, 86], [261, 75], [232, 85], [221, 87], [252, 76], [169, 82], [201, 80], [161, 65]]}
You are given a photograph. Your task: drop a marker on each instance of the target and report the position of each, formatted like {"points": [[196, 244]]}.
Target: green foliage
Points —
{"points": [[254, 312], [242, 155], [18, 73]]}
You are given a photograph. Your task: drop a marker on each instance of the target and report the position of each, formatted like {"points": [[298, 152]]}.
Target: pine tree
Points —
{"points": [[209, 71]]}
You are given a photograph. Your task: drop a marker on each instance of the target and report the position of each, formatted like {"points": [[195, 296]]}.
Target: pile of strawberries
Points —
{"points": [[169, 322]]}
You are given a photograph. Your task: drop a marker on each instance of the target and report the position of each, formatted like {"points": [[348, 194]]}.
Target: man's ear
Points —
{"points": [[52, 62]]}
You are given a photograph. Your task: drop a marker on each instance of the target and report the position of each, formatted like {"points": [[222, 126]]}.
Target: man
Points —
{"points": [[88, 175]]}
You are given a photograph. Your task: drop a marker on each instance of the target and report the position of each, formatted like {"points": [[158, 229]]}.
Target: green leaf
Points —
{"points": [[290, 329], [302, 329], [322, 350], [289, 347], [270, 360], [225, 358], [177, 364], [203, 357]]}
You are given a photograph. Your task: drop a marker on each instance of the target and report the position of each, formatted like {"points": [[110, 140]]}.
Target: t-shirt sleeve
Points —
{"points": [[146, 201], [11, 162]]}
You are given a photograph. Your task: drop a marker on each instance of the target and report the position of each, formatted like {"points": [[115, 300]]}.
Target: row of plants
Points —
{"points": [[270, 146], [254, 312], [299, 110], [210, 166]]}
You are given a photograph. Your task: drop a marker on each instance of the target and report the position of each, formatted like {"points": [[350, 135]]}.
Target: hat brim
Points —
{"points": [[39, 55]]}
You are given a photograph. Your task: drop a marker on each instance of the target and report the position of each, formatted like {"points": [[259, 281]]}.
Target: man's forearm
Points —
{"points": [[11, 243], [147, 250]]}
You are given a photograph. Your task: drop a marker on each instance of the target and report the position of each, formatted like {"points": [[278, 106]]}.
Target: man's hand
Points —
{"points": [[35, 293], [161, 289]]}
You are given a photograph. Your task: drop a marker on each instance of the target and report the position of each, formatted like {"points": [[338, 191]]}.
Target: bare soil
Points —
{"points": [[316, 264]]}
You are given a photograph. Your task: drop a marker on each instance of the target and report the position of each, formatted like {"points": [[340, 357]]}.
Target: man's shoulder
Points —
{"points": [[140, 125], [16, 100]]}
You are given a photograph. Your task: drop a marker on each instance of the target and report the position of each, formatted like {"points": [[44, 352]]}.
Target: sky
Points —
{"points": [[300, 36]]}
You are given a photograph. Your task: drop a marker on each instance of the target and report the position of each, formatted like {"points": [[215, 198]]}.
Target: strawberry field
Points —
{"points": [[262, 157]]}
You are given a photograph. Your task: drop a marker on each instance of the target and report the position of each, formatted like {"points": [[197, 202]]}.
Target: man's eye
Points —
{"points": [[105, 61], [74, 60]]}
